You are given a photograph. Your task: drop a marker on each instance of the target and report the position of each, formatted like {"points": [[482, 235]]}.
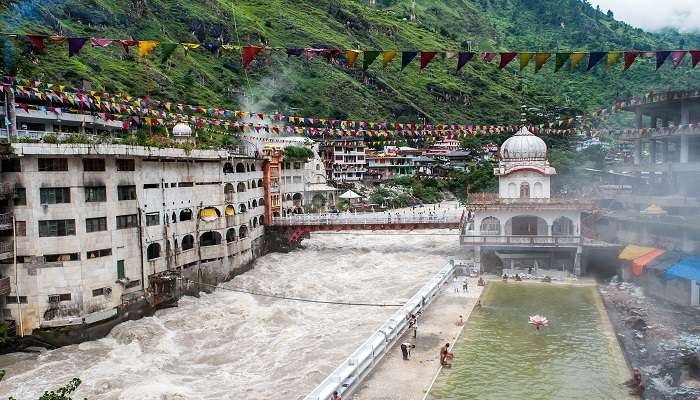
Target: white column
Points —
{"points": [[637, 152], [684, 147]]}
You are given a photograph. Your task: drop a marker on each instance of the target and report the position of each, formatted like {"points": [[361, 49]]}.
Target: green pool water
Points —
{"points": [[499, 356]]}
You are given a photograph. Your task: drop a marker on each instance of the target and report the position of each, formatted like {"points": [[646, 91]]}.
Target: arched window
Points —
{"points": [[240, 187], [254, 222], [261, 220], [230, 235], [240, 167], [211, 238], [261, 202], [512, 190], [252, 167], [174, 217], [490, 226], [297, 196], [289, 196], [255, 203], [243, 232], [537, 190], [153, 251], [229, 211], [185, 215], [187, 242], [252, 184], [228, 168], [524, 190], [209, 213], [562, 226], [228, 188], [241, 208], [260, 183]]}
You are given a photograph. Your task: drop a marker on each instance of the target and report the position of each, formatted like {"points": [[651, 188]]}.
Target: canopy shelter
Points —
{"points": [[350, 195], [631, 251], [665, 261], [687, 268], [639, 263]]}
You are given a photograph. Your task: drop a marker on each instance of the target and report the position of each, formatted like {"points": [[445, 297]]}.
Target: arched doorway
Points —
{"points": [[230, 235], [187, 242], [243, 232], [228, 168], [185, 215], [562, 226], [527, 225], [240, 167], [210, 238], [153, 251], [490, 226]]}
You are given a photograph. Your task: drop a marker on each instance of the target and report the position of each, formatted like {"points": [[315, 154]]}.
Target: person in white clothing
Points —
{"points": [[455, 284]]}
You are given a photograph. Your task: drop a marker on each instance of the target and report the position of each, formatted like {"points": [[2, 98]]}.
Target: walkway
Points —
{"points": [[397, 379]]}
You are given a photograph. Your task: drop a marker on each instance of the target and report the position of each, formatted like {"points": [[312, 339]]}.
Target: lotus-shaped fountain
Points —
{"points": [[538, 321]]}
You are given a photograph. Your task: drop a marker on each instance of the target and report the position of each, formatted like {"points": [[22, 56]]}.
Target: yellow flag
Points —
{"points": [[352, 55], [540, 60], [525, 59], [388, 56], [577, 58], [146, 47], [190, 46], [613, 57]]}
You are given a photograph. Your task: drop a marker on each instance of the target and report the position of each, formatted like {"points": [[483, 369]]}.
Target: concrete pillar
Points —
{"points": [[652, 151], [477, 258], [685, 113], [638, 118], [685, 139], [577, 261], [653, 120], [637, 152]]}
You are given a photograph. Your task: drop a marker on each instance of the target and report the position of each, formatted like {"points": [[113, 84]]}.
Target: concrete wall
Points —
{"points": [[509, 186], [549, 217], [166, 169], [678, 291]]}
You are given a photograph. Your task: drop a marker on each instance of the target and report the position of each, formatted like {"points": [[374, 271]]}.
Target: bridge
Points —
{"points": [[293, 229]]}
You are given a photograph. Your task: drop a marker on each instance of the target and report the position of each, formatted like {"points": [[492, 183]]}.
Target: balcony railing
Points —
{"points": [[5, 221], [522, 240], [492, 198]]}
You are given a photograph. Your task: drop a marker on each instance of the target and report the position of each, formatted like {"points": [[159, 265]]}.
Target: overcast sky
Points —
{"points": [[652, 15]]}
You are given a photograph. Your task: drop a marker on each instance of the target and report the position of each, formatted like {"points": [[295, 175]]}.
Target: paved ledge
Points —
{"points": [[397, 379]]}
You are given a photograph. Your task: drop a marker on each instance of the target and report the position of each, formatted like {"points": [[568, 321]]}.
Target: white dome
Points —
{"points": [[524, 146], [182, 129]]}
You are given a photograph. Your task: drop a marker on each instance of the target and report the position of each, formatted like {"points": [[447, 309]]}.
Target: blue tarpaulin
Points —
{"points": [[688, 268]]}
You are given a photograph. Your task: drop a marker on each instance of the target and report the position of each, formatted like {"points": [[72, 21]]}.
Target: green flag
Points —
{"points": [[369, 58], [166, 50], [561, 59]]}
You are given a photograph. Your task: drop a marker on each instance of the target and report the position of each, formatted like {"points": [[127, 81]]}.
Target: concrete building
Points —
{"points": [[522, 228], [388, 164], [344, 159], [442, 147]]}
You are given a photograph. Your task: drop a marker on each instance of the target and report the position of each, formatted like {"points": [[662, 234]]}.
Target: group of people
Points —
{"points": [[456, 285]]}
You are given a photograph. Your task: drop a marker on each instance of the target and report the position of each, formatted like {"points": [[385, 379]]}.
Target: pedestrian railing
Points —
{"points": [[355, 368], [453, 216]]}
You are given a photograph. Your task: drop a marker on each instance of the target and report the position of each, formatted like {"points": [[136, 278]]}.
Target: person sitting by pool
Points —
{"points": [[636, 379], [446, 356], [504, 277], [638, 391], [481, 282], [518, 278], [460, 321]]}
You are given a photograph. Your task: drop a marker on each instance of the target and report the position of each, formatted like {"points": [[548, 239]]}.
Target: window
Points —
{"points": [[95, 224], [61, 257], [93, 164], [98, 292], [127, 221], [11, 165], [99, 253], [53, 164], [133, 284], [57, 227], [186, 184], [20, 196], [54, 195], [21, 228], [151, 186], [126, 192], [153, 251], [297, 165], [120, 269], [94, 194], [13, 299], [125, 165], [152, 219], [55, 298]]}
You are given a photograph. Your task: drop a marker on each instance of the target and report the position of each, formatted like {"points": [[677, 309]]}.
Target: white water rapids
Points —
{"points": [[230, 345]]}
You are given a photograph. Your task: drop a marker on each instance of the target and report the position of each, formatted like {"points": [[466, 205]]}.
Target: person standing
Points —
{"points": [[406, 350], [465, 286], [335, 396], [455, 284]]}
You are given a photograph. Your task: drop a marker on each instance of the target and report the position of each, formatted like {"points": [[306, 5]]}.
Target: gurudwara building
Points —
{"points": [[523, 228]]}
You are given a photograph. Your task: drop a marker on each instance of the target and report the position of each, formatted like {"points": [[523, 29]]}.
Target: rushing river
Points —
{"points": [[229, 345], [501, 357]]}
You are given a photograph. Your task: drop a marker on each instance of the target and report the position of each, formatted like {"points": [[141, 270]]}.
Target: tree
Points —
{"points": [[3, 333]]}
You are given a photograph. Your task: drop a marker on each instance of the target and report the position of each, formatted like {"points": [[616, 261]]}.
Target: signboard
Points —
{"points": [[4, 286]]}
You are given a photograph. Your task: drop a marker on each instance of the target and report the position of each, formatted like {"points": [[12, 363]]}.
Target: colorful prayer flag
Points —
{"points": [[524, 59], [488, 56], [249, 54], [561, 59], [74, 45], [100, 42], [677, 57], [506, 58], [630, 57], [463, 58], [613, 56], [661, 57], [694, 57], [368, 58], [388, 56], [407, 57], [37, 41], [146, 47], [540, 60], [425, 58], [594, 58], [576, 58], [296, 52], [352, 55]]}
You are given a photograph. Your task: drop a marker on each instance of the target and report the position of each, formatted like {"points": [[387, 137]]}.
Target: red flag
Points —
{"points": [[677, 57], [630, 57], [426, 57], [506, 58], [695, 57], [37, 41], [249, 54], [126, 43]]}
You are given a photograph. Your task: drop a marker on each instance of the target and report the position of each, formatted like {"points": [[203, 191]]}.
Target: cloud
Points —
{"points": [[653, 15]]}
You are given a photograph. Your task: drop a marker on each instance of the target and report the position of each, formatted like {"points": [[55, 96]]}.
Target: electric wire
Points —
{"points": [[305, 300]]}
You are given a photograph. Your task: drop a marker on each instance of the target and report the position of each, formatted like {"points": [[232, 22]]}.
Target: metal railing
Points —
{"points": [[518, 239], [355, 368], [37, 135], [453, 216], [6, 221]]}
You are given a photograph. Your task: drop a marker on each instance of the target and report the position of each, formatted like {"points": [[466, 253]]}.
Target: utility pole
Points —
{"points": [[413, 10], [372, 3]]}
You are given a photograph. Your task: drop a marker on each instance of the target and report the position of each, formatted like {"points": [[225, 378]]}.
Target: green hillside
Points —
{"points": [[480, 93]]}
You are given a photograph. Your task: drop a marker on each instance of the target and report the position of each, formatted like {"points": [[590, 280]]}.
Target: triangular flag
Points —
{"points": [[488, 56], [37, 41], [249, 54], [594, 58], [506, 58], [678, 57], [661, 57], [540, 60], [74, 45], [630, 57], [351, 55], [295, 52], [694, 57], [100, 42], [368, 58], [166, 50], [126, 43], [613, 56], [463, 58], [524, 59], [576, 58], [388, 56], [146, 47], [407, 57], [426, 57], [561, 59]]}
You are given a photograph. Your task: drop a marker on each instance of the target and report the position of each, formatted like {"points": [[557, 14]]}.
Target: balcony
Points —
{"points": [[5, 221], [540, 241], [6, 250]]}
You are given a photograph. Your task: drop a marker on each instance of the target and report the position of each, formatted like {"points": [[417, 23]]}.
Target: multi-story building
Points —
{"points": [[442, 147], [100, 227], [344, 159], [385, 165]]}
